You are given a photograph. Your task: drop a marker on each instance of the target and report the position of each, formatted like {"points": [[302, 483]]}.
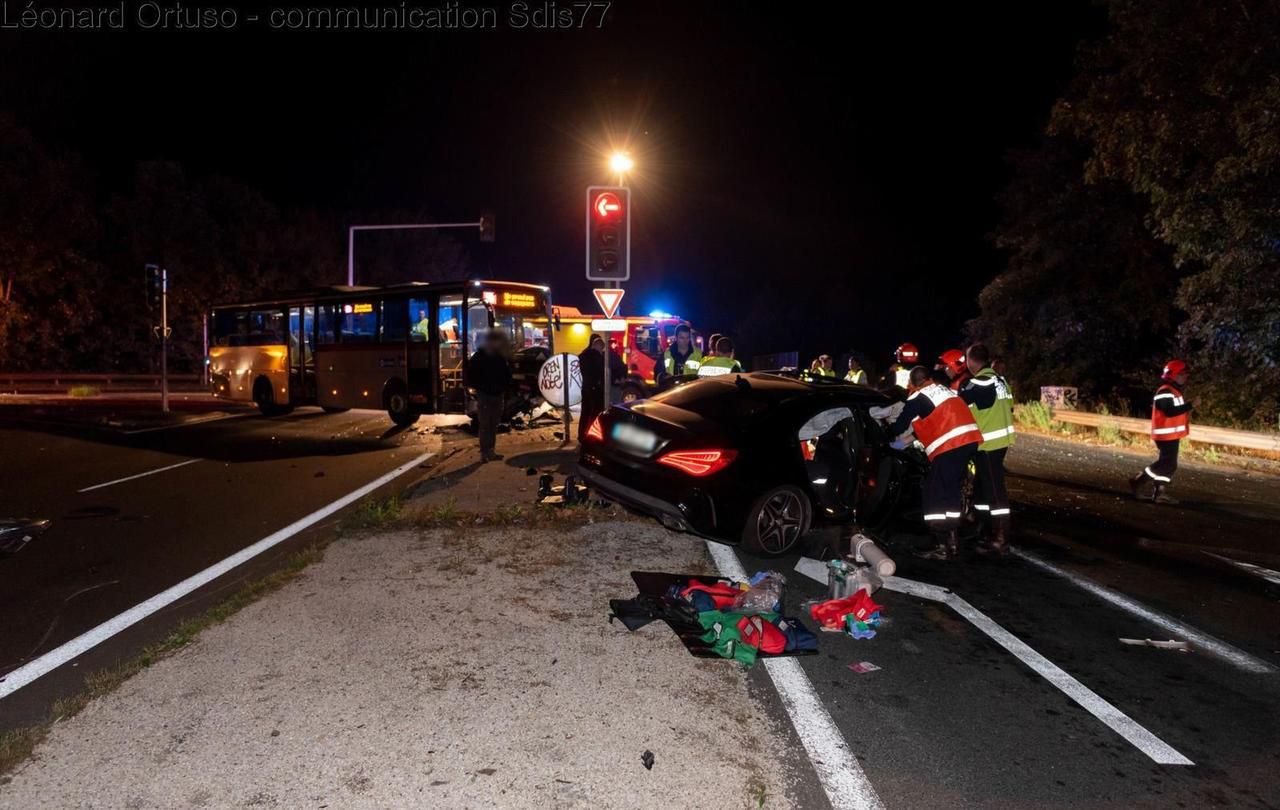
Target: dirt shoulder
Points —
{"points": [[441, 667]]}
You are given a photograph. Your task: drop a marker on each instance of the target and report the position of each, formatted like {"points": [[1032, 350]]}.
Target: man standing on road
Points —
{"points": [[899, 374], [1170, 424], [721, 362], [681, 357], [489, 374], [991, 402], [950, 437], [855, 374], [592, 361]]}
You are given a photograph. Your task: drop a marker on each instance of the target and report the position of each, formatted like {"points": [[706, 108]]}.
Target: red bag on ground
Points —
{"points": [[832, 612], [721, 593], [762, 634]]}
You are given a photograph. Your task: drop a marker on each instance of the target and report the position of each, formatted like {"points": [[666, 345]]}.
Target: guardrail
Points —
{"points": [[38, 381], [1205, 434]]}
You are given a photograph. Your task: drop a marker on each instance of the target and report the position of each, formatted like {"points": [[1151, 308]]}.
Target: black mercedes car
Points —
{"points": [[758, 458]]}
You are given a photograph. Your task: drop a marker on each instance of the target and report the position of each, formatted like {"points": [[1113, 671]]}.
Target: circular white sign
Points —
{"points": [[552, 380]]}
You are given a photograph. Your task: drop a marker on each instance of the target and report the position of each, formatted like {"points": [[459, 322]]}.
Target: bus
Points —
{"points": [[400, 348]]}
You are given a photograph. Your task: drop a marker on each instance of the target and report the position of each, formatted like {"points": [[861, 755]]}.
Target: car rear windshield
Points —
{"points": [[719, 402]]}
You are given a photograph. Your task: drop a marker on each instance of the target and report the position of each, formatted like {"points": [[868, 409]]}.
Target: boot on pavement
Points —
{"points": [[1136, 482], [1160, 496], [946, 549], [998, 545]]}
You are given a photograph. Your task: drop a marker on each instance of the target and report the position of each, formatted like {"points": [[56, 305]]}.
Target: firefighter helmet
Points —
{"points": [[1172, 369], [953, 359], [908, 354]]}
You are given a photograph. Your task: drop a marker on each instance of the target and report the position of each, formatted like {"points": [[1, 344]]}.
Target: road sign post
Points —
{"points": [[608, 253], [157, 283]]}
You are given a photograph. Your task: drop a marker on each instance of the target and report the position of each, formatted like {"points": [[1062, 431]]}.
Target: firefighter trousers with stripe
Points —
{"points": [[990, 497], [944, 488], [1162, 469]]}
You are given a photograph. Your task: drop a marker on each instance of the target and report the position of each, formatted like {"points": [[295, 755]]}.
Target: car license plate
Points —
{"points": [[634, 438]]}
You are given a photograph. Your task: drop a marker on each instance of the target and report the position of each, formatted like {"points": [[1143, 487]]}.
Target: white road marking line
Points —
{"points": [[842, 778], [1142, 739], [58, 656], [1200, 639], [141, 475], [202, 420], [1257, 570]]}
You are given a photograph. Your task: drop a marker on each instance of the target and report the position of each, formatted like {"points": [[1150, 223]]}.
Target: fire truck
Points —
{"points": [[640, 346]]}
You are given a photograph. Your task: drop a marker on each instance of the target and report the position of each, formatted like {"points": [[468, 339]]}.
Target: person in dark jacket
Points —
{"points": [[489, 374], [592, 363]]}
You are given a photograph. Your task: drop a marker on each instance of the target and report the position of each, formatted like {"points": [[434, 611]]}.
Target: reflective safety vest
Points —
{"points": [[902, 377], [950, 425], [996, 422], [713, 366], [859, 377], [691, 363], [1166, 428]]}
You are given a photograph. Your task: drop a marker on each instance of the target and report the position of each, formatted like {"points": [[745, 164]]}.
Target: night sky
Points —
{"points": [[837, 167]]}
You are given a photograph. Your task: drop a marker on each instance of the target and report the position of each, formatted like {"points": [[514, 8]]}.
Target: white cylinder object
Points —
{"points": [[866, 551]]}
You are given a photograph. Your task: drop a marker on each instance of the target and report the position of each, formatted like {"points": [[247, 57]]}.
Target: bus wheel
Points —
{"points": [[398, 406], [264, 398]]}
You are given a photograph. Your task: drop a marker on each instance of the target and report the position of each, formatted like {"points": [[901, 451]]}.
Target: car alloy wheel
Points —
{"points": [[780, 521]]}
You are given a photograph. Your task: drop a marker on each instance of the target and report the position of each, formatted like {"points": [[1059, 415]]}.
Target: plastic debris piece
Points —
{"points": [[866, 551], [863, 667], [1180, 646], [647, 760]]}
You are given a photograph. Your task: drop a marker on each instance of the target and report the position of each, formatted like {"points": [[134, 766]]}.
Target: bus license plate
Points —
{"points": [[634, 438]]}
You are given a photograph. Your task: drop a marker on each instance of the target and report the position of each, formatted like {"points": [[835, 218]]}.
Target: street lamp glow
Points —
{"points": [[621, 163]]}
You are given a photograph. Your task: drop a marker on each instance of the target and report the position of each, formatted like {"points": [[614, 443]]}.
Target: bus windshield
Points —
{"points": [[514, 312]]}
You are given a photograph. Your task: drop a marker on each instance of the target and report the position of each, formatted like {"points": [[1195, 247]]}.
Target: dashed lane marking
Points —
{"points": [[843, 779], [1201, 640], [77, 646], [1142, 739], [140, 475]]}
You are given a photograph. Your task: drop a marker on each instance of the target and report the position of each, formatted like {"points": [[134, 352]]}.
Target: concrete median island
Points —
{"points": [[452, 666]]}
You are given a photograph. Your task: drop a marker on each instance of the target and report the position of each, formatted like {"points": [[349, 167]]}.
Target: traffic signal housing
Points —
{"points": [[155, 285], [608, 233], [487, 227]]}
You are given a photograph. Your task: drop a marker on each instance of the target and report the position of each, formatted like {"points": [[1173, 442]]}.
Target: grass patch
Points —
{"points": [[84, 391], [17, 745], [447, 515], [1109, 432], [1035, 415], [375, 514]]}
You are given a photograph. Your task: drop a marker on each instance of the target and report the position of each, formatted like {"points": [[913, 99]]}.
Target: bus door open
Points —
{"points": [[302, 355], [423, 346]]}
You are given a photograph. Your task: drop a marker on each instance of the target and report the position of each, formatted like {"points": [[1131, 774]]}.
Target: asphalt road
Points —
{"points": [[206, 491], [952, 719]]}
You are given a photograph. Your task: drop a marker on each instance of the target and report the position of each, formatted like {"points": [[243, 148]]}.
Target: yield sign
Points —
{"points": [[609, 298]]}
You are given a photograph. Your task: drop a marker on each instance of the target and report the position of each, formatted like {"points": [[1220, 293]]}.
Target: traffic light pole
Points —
{"points": [[164, 340], [485, 224]]}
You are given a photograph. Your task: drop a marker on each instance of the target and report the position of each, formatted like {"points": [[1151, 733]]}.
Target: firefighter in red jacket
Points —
{"points": [[945, 426], [1170, 424]]}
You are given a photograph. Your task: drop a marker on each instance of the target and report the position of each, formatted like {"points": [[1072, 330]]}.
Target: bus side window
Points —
{"points": [[477, 324], [394, 324], [358, 323], [419, 320], [326, 327]]}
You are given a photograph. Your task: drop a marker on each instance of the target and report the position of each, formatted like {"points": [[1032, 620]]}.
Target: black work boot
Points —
{"points": [[1160, 496], [948, 544], [1136, 482], [998, 545]]}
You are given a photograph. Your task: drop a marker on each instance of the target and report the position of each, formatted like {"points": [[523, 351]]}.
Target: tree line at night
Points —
{"points": [[72, 252], [1147, 222]]}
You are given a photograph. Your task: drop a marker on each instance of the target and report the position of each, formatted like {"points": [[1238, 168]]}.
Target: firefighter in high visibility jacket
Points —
{"points": [[906, 356], [1170, 424], [681, 357], [722, 362], [989, 398], [950, 435]]}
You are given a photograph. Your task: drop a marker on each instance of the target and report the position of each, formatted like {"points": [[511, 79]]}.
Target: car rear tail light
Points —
{"points": [[595, 432], [698, 462]]}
